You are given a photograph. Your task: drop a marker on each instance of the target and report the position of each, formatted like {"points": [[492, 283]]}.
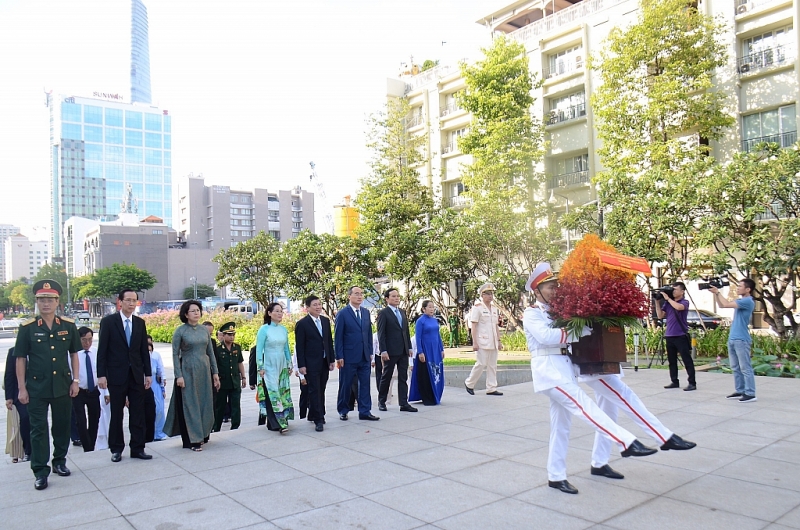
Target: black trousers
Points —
{"points": [[378, 372], [149, 414], [401, 362], [87, 404], [134, 392], [24, 426], [317, 381], [676, 345]]}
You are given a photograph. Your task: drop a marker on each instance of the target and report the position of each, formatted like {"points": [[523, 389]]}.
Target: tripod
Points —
{"points": [[662, 345]]}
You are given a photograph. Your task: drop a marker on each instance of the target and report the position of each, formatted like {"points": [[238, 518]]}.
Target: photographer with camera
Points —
{"points": [[676, 308], [739, 339]]}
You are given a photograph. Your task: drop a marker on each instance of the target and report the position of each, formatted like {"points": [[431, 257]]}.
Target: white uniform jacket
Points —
{"points": [[549, 371]]}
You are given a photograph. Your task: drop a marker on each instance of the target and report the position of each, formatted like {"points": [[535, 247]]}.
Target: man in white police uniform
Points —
{"points": [[555, 376]]}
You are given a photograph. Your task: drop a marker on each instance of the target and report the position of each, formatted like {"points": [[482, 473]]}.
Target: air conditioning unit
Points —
{"points": [[741, 9], [578, 62], [743, 69]]}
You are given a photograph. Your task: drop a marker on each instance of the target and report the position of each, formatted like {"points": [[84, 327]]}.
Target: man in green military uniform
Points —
{"points": [[453, 321], [50, 345], [232, 378]]}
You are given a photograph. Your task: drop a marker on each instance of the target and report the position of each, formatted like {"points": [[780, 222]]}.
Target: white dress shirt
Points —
{"points": [[82, 376]]}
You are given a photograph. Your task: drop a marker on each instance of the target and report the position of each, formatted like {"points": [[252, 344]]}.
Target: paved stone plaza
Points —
{"points": [[473, 462]]}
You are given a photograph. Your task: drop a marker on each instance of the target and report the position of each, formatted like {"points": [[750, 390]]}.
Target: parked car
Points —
{"points": [[244, 310], [710, 319]]}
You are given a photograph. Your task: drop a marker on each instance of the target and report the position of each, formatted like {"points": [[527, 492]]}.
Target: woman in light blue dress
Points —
{"points": [[274, 361], [159, 388]]}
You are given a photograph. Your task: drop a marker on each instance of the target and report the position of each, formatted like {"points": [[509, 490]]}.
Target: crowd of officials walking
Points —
{"points": [[53, 367]]}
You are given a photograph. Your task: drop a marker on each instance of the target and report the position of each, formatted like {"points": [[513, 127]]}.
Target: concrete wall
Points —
{"points": [[185, 263]]}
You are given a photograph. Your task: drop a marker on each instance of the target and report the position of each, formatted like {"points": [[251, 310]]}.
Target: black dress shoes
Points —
{"points": [[607, 472], [677, 443], [343, 417], [141, 455], [469, 390], [690, 387], [319, 427], [673, 385], [40, 483], [382, 407], [637, 448], [408, 408], [61, 470], [563, 485], [369, 417], [116, 457], [496, 393]]}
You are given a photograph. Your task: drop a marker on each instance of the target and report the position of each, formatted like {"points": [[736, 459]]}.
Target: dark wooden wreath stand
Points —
{"points": [[601, 352]]}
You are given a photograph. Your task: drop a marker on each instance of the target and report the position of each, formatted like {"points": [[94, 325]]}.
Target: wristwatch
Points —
{"points": [[76, 380]]}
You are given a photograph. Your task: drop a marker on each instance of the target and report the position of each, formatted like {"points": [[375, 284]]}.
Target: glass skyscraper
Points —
{"points": [[97, 148], [140, 54]]}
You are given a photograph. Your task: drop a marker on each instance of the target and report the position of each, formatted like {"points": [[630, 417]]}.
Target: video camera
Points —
{"points": [[715, 281], [658, 294]]}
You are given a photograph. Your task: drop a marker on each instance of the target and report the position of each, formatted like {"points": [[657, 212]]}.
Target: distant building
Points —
{"points": [[24, 257], [5, 232], [217, 217]]}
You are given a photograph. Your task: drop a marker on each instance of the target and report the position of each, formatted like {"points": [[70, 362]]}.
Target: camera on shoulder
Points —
{"points": [[715, 281], [658, 294]]}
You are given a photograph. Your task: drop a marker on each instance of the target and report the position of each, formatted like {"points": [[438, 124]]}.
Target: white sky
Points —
{"points": [[256, 88]]}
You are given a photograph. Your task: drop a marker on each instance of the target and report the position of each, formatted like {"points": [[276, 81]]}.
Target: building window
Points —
{"points": [[92, 134], [70, 112], [158, 232], [768, 49], [133, 173], [234, 222], [133, 138], [152, 157], [564, 62], [152, 140], [152, 122], [772, 126], [133, 120], [275, 234], [570, 171], [567, 107], [113, 153], [113, 136], [297, 225], [234, 198], [114, 117], [234, 233], [94, 151], [92, 114], [71, 131]]}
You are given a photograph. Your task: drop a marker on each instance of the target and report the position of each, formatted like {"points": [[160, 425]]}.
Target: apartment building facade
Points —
{"points": [[217, 217], [761, 83]]}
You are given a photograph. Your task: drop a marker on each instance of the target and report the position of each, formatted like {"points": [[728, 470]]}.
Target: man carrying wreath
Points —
{"points": [[555, 376]]}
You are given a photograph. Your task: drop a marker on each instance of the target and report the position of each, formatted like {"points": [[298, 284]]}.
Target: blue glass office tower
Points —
{"points": [[98, 146], [140, 54]]}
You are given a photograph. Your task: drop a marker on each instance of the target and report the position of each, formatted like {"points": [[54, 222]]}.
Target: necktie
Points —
{"points": [[89, 375], [319, 325], [128, 330], [358, 315], [399, 318]]}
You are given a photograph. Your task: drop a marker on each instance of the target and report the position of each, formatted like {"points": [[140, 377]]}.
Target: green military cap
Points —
{"points": [[228, 328], [47, 289]]}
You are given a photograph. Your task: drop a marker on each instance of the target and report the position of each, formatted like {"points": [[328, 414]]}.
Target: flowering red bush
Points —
{"points": [[590, 291]]}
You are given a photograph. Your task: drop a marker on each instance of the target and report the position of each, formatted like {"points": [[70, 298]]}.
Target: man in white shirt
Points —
{"points": [[86, 404]]}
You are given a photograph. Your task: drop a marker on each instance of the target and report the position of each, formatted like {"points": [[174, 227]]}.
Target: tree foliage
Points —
{"points": [[21, 295], [249, 268], [109, 281], [753, 226], [203, 291], [324, 265], [504, 233], [655, 112], [395, 206]]}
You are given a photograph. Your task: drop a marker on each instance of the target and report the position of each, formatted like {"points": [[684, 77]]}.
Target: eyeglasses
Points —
{"points": [[130, 300]]}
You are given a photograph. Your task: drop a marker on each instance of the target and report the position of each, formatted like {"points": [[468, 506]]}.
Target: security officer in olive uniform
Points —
{"points": [[50, 344], [232, 378]]}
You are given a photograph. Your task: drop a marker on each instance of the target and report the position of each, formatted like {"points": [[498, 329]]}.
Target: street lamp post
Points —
{"points": [[553, 200]]}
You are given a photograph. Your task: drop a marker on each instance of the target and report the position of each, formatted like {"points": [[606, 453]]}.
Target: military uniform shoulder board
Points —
{"points": [[477, 304], [28, 322], [67, 319]]}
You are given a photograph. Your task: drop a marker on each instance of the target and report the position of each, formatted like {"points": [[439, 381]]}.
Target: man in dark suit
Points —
{"points": [[353, 348], [315, 357], [394, 343], [123, 366]]}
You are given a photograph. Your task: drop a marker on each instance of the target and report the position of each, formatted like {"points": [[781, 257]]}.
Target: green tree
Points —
{"points": [[22, 296], [394, 205], [249, 268], [656, 111], [753, 226], [82, 287], [48, 271], [203, 291], [506, 236], [324, 265], [109, 281]]}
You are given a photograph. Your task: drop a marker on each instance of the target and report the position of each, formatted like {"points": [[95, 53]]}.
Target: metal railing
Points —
{"points": [[563, 66], [774, 213], [458, 201], [561, 18], [568, 179], [569, 113], [775, 56], [449, 109], [785, 139], [414, 121], [452, 147]]}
